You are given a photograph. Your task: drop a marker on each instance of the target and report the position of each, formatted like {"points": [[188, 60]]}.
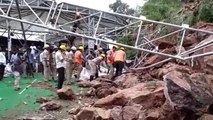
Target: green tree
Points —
{"points": [[121, 7], [206, 11]]}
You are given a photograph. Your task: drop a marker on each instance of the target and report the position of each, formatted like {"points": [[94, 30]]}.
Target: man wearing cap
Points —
{"points": [[94, 66], [45, 62], [119, 59], [110, 60], [78, 58], [60, 57]]}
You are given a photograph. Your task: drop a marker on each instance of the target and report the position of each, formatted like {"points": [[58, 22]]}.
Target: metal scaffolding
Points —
{"points": [[46, 18]]}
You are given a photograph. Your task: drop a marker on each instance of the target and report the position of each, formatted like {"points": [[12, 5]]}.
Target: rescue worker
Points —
{"points": [[78, 58], [94, 66], [119, 60], [45, 62], [53, 63], [60, 57], [110, 60]]}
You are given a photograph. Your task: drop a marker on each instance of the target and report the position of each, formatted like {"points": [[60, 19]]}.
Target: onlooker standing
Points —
{"points": [[78, 61], [17, 70], [110, 61], [2, 63], [61, 65], [45, 62]]}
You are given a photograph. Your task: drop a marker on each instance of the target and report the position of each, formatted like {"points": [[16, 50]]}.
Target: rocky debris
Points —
{"points": [[66, 93], [117, 113], [40, 117], [117, 99], [49, 106], [149, 94], [84, 84], [105, 91], [188, 92], [157, 58], [127, 80], [172, 67], [42, 100], [206, 117], [131, 112], [91, 113], [75, 111]]}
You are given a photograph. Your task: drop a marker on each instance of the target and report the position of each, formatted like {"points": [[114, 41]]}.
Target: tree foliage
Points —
{"points": [[206, 11], [121, 7]]}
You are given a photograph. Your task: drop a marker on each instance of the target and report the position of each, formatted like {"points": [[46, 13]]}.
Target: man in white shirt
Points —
{"points": [[2, 63], [60, 57]]}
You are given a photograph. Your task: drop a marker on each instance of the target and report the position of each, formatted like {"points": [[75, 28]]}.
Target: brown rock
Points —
{"points": [[50, 106], [105, 91], [75, 111], [206, 117], [66, 93], [42, 100], [90, 113], [95, 83], [188, 92], [127, 80], [131, 112], [157, 58], [84, 84], [149, 94], [112, 100], [153, 115], [117, 113]]}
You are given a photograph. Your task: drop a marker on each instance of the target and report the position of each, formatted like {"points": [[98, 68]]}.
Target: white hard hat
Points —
{"points": [[73, 48], [100, 49], [46, 46]]}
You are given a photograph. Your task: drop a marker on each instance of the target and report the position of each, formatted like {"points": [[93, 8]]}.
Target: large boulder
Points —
{"points": [[84, 84], [66, 93], [188, 92], [105, 91], [148, 94], [131, 112], [206, 117]]}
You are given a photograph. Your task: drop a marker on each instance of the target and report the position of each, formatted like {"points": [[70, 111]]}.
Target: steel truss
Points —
{"points": [[47, 17]]}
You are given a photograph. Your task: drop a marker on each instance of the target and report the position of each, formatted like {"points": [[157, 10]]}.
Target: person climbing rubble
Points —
{"points": [[60, 57], [94, 66], [72, 62], [110, 61], [119, 60]]}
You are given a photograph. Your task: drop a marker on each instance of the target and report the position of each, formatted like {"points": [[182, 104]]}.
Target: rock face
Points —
{"points": [[66, 93], [206, 117], [191, 92], [49, 106]]}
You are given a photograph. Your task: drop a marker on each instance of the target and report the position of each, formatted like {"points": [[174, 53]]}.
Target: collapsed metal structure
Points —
{"points": [[53, 21]]}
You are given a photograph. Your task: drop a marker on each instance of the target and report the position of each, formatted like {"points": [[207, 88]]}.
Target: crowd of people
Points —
{"points": [[62, 63]]}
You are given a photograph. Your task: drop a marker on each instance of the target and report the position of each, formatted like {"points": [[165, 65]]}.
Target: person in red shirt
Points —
{"points": [[78, 60]]}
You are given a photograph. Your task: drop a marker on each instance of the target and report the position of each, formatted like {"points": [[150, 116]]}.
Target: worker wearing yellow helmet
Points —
{"points": [[60, 58], [94, 65], [78, 61], [119, 61]]}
